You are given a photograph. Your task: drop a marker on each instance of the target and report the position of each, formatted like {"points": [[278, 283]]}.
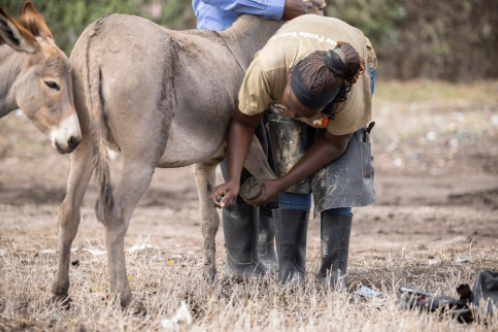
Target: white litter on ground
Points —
{"points": [[141, 247], [462, 260], [431, 136], [97, 252], [182, 318], [494, 120], [453, 142], [368, 292]]}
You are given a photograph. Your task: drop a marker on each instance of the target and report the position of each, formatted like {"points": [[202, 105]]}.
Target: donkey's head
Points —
{"points": [[42, 86]]}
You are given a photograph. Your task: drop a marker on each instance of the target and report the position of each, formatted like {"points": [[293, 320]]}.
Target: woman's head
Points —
{"points": [[318, 79]]}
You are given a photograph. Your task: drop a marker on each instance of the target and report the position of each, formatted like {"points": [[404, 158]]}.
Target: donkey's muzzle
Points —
{"points": [[72, 143], [67, 136]]}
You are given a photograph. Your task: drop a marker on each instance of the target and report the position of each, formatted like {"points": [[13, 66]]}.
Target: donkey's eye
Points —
{"points": [[52, 85]]}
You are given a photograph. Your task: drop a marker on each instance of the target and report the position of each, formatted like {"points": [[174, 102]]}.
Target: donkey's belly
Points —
{"points": [[187, 146]]}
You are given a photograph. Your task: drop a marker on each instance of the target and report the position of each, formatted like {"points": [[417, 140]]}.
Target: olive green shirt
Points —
{"points": [[267, 76]]}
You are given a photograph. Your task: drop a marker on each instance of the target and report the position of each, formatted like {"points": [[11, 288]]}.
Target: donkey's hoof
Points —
{"points": [[136, 308], [209, 272], [62, 301]]}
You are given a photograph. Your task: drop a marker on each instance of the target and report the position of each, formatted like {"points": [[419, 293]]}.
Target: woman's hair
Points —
{"points": [[324, 71]]}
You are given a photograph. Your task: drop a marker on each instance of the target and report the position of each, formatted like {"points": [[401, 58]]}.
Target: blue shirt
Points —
{"points": [[218, 15]]}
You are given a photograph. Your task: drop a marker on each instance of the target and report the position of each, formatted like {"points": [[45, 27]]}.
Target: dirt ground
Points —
{"points": [[437, 194]]}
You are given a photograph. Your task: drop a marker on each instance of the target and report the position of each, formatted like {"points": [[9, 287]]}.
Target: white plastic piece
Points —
{"points": [[182, 318]]}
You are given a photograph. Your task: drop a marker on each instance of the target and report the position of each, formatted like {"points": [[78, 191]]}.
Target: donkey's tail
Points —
{"points": [[95, 106]]}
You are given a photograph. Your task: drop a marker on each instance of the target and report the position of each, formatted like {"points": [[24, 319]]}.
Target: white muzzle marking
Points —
{"points": [[69, 127]]}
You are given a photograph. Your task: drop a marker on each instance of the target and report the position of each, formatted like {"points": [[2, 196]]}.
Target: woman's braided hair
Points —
{"points": [[323, 71]]}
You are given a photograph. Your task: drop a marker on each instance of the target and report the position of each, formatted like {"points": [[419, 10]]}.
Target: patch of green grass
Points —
{"points": [[30, 142], [131, 280]]}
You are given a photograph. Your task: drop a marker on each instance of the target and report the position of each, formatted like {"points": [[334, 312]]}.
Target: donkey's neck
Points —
{"points": [[11, 64], [248, 35]]}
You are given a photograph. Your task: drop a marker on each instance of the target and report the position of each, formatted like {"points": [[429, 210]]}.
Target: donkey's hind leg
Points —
{"points": [[205, 175], [136, 178], [80, 172]]}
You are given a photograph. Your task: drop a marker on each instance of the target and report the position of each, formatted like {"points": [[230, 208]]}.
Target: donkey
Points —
{"points": [[35, 76], [163, 99]]}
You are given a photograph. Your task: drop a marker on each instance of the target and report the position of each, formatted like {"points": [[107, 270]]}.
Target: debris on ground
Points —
{"points": [[181, 319], [480, 304], [369, 293]]}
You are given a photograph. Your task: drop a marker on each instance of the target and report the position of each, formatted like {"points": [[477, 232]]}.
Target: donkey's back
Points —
{"points": [[180, 87]]}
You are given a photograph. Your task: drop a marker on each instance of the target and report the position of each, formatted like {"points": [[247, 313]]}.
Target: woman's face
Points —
{"points": [[296, 109]]}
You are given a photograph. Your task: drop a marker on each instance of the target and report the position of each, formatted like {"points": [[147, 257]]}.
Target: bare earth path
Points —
{"points": [[437, 188]]}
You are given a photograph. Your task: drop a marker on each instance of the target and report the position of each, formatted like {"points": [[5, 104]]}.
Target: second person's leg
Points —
{"points": [[291, 227], [248, 230], [335, 230]]}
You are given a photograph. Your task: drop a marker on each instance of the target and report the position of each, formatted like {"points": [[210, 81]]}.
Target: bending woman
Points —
{"points": [[314, 77]]}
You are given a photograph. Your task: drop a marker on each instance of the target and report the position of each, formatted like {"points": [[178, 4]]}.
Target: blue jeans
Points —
{"points": [[372, 81], [303, 201]]}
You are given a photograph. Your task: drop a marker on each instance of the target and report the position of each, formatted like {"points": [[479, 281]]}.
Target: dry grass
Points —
{"points": [[26, 275], [391, 245]]}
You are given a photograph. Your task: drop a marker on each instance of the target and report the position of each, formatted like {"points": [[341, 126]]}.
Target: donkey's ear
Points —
{"points": [[16, 36], [34, 22]]}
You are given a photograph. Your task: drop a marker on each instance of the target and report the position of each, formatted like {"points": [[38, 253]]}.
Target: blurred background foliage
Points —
{"points": [[455, 40], [68, 18]]}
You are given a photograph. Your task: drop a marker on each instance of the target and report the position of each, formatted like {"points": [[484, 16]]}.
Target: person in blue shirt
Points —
{"points": [[218, 15], [249, 244]]}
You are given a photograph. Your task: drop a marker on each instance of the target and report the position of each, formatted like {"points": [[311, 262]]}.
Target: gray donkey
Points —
{"points": [[163, 99], [35, 76]]}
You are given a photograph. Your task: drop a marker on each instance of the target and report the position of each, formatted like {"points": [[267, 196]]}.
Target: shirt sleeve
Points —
{"points": [[268, 9], [255, 92], [372, 58]]}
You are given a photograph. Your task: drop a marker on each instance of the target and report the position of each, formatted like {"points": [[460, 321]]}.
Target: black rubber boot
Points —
{"points": [[240, 226], [335, 231], [267, 240], [291, 227]]}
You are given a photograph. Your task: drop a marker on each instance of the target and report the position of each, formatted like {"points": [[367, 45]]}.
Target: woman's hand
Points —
{"points": [[271, 190], [229, 190]]}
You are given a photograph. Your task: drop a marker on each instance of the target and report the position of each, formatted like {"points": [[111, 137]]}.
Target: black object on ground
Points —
{"points": [[480, 304]]}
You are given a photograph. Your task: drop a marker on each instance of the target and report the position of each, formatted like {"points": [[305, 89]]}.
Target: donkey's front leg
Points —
{"points": [[80, 172], [205, 175]]}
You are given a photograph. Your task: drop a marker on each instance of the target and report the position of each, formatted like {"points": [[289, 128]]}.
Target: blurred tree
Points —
{"points": [[67, 19], [451, 39], [454, 40]]}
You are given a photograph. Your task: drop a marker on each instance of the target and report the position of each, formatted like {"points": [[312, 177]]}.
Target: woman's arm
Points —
{"points": [[325, 150], [240, 135]]}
